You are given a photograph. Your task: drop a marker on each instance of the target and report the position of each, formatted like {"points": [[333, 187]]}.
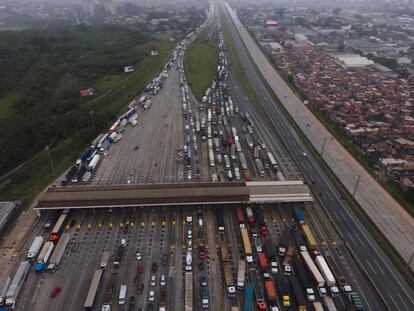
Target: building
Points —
{"points": [[352, 60]]}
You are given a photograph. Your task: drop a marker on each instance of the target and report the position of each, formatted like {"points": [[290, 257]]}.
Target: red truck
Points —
{"points": [[261, 258], [270, 291]]}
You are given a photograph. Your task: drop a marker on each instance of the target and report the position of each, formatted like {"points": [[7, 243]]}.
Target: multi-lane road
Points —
{"points": [[390, 285]]}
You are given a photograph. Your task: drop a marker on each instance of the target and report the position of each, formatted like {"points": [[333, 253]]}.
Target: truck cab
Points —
{"points": [[286, 301]]}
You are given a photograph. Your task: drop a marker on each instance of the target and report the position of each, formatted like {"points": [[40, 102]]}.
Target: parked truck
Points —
{"points": [[248, 297], [328, 303], [94, 162], [325, 271], [313, 270], [4, 290], [16, 284], [263, 265], [59, 251], [188, 298], [284, 241], [44, 256], [105, 258], [254, 276], [270, 291], [241, 273], [162, 306], [335, 270], [228, 276], [299, 215], [108, 295], [288, 256], [35, 248]]}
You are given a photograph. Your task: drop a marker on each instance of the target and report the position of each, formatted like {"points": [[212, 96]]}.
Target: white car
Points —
{"points": [[153, 281], [188, 268], [273, 266], [162, 280], [139, 257], [304, 154], [151, 296]]}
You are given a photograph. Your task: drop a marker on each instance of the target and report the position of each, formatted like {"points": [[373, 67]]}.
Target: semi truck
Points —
{"points": [[288, 256], [328, 303], [325, 271], [16, 284], [108, 295], [310, 240], [188, 297], [270, 291], [241, 272], [59, 251], [228, 276], [303, 277], [4, 290], [284, 241], [247, 246], [94, 162], [313, 270], [254, 276], [270, 249], [248, 297], [297, 212], [105, 258], [263, 265], [44, 256], [335, 270], [35, 248]]}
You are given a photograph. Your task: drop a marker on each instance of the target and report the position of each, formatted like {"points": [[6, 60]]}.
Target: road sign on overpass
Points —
{"points": [[61, 197]]}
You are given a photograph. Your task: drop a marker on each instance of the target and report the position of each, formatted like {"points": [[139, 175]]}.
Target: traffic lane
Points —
{"points": [[276, 115], [392, 276]]}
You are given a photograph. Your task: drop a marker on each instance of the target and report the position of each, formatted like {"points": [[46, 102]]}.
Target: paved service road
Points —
{"points": [[396, 224], [391, 286]]}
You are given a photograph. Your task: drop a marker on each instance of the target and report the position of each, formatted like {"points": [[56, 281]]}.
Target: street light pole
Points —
{"points": [[47, 148], [323, 146], [356, 184]]}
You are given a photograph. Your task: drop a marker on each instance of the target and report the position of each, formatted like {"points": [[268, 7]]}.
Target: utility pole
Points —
{"points": [[356, 184], [323, 145], [47, 148], [91, 116]]}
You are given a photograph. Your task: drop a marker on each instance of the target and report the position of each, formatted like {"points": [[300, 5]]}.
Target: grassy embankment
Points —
{"points": [[98, 72], [200, 62], [360, 213]]}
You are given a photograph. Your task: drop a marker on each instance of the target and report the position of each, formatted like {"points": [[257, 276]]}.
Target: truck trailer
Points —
{"points": [[35, 248], [59, 251], [17, 283], [44, 256]]}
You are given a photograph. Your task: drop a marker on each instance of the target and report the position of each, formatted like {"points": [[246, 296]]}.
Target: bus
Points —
{"points": [[59, 226], [122, 294], [93, 290], [247, 246]]}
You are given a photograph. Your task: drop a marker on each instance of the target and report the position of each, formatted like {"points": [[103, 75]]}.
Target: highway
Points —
{"points": [[391, 286]]}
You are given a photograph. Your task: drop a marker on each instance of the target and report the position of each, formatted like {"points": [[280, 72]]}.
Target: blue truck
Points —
{"points": [[299, 215], [248, 297]]}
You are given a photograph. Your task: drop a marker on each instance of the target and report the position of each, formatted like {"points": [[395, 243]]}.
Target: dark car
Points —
{"points": [[164, 259], [150, 307], [137, 279], [201, 266], [55, 292], [126, 230], [154, 267], [140, 269], [132, 302], [140, 288]]}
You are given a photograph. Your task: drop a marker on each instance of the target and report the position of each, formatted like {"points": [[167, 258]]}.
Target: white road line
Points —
{"points": [[371, 267], [328, 193], [402, 300], [393, 300], [360, 240], [376, 262]]}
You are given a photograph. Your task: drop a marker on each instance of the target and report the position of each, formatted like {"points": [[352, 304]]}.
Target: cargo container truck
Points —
{"points": [[109, 291], [220, 220], [188, 297], [4, 290], [270, 291], [263, 265], [44, 256], [313, 270], [102, 140], [243, 161], [272, 162], [317, 306], [260, 168], [284, 240], [59, 251], [162, 305], [249, 214], [16, 284], [249, 141], [248, 297], [228, 276], [240, 216], [59, 226], [288, 256], [325, 271], [241, 274], [84, 156], [111, 137], [270, 249], [35, 248], [335, 270], [94, 162], [310, 240], [303, 278], [105, 258], [297, 212], [118, 256], [104, 147], [93, 290], [247, 246], [96, 141], [328, 303]]}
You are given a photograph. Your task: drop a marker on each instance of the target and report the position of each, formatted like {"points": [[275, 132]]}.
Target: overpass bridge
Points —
{"points": [[75, 197]]}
